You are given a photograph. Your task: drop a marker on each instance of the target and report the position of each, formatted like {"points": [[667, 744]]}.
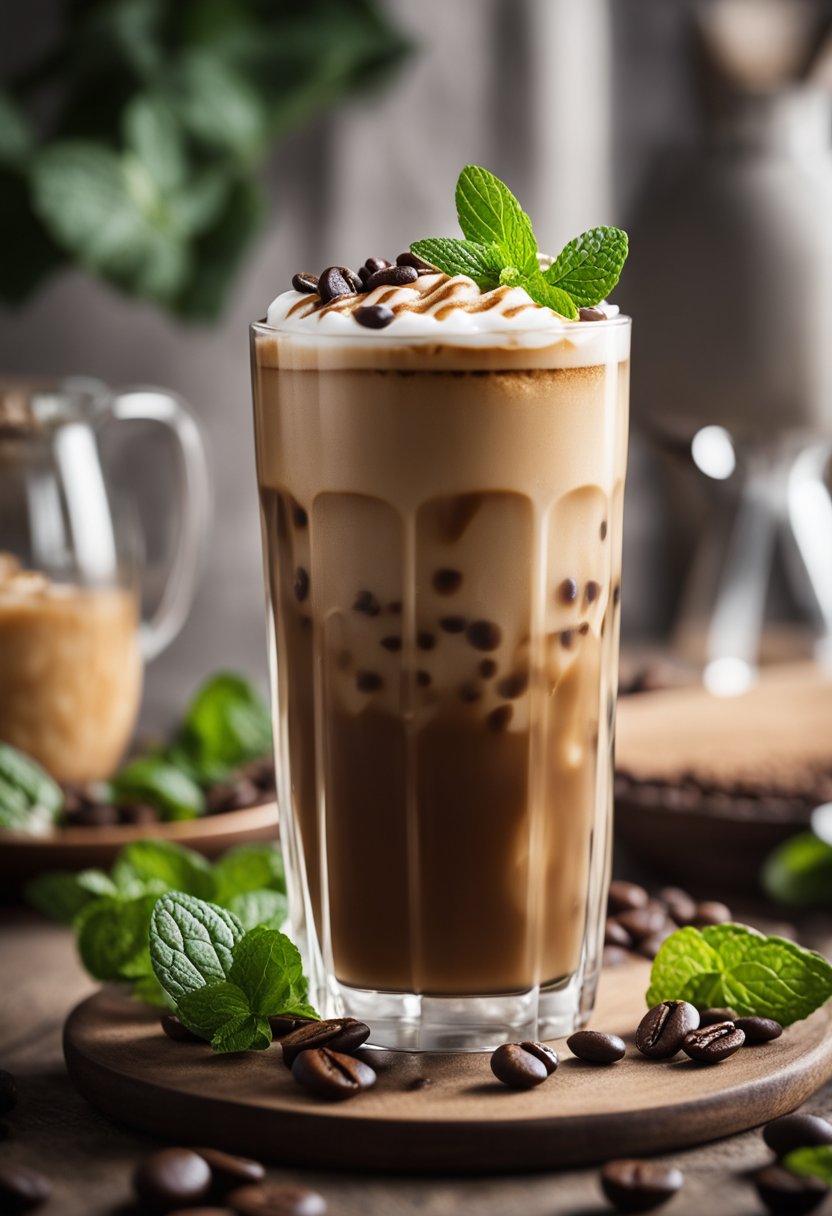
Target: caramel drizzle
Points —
{"points": [[438, 299]]}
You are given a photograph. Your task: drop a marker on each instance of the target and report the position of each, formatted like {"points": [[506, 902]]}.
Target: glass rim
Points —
{"points": [[468, 338]]}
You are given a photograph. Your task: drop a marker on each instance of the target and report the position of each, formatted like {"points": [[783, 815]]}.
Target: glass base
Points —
{"points": [[404, 1021]]}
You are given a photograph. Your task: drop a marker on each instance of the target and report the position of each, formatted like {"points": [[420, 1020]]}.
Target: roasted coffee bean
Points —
{"points": [[787, 1194], [797, 1131], [680, 905], [301, 584], [331, 1074], [643, 922], [758, 1030], [282, 1024], [625, 896], [374, 264], [484, 635], [513, 686], [363, 274], [596, 1047], [446, 581], [412, 259], [711, 912], [276, 1199], [341, 1034], [640, 1186], [711, 1044], [176, 1030], [305, 282], [650, 946], [592, 314], [500, 718], [392, 276], [523, 1065], [22, 1189], [662, 1031], [8, 1092], [171, 1178], [138, 813], [452, 624], [616, 935], [568, 591], [710, 1017], [228, 1171], [367, 603], [614, 956], [374, 316], [337, 281]]}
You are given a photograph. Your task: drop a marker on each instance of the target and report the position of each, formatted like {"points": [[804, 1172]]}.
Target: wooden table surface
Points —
{"points": [[90, 1160]]}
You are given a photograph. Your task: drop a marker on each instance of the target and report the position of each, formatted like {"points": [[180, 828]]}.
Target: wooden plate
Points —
{"points": [[464, 1120], [23, 856]]}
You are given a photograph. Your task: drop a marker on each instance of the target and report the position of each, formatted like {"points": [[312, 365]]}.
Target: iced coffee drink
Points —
{"points": [[441, 506]]}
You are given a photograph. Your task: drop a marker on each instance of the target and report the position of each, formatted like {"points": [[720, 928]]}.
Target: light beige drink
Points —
{"points": [[442, 524]]}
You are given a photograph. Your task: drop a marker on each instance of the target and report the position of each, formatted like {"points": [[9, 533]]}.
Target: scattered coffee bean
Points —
{"points": [[592, 314], [643, 922], [228, 1171], [282, 1024], [374, 316], [484, 635], [568, 591], [392, 643], [138, 813], [710, 1017], [363, 274], [367, 603], [591, 591], [513, 686], [425, 640], [177, 1030], [337, 281], [452, 624], [423, 679], [711, 1044], [412, 259], [341, 1034], [276, 1199], [616, 935], [711, 912], [447, 582], [640, 1186], [301, 586], [523, 1065], [680, 905], [596, 1047], [789, 1132], [171, 1178], [22, 1189], [614, 956], [392, 276], [8, 1092], [650, 946], [662, 1031], [332, 1075], [374, 264], [624, 896], [787, 1194], [758, 1030], [500, 718], [305, 282], [469, 693]]}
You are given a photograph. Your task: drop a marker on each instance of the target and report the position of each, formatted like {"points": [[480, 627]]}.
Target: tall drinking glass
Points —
{"points": [[442, 542]]}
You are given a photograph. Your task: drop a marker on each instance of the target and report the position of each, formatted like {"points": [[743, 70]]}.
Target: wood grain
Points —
{"points": [[464, 1121]]}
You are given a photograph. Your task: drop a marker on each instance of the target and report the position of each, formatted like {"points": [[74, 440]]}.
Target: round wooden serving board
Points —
{"points": [[464, 1121]]}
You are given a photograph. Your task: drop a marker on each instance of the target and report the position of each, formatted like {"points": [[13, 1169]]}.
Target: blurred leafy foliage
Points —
{"points": [[156, 118]]}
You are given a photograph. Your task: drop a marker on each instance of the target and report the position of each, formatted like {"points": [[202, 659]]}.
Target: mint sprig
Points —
{"points": [[734, 966], [225, 984], [811, 1162], [501, 248]]}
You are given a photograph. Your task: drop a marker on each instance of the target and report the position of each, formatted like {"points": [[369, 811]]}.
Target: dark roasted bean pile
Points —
{"points": [[335, 282], [639, 923]]}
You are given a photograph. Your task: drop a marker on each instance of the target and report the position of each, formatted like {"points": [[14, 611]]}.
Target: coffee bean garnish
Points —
{"points": [[568, 591], [393, 643], [623, 896], [367, 603], [783, 1192], [523, 1065], [276, 1199], [616, 935], [499, 718], [710, 1017], [373, 265], [680, 905], [592, 314], [305, 282], [452, 624], [8, 1092], [759, 1030], [411, 259], [332, 1075], [423, 679], [392, 276], [643, 922], [663, 1030], [484, 635], [363, 274], [603, 529], [513, 686], [487, 669], [341, 1034], [469, 693], [368, 681], [301, 585], [596, 1047], [283, 1024], [172, 1177], [711, 1044], [650, 946], [711, 912], [228, 1171], [177, 1030], [374, 316], [789, 1132], [337, 281], [591, 591], [425, 640], [640, 1186], [446, 582], [22, 1189]]}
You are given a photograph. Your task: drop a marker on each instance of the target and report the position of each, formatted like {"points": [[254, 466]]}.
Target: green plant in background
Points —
{"points": [[799, 872], [159, 118]]}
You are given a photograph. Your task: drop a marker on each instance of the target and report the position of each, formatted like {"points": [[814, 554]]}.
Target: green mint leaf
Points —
{"points": [[253, 908], [268, 968], [112, 937], [482, 263], [489, 214], [736, 966], [226, 725], [62, 896], [191, 943], [811, 1162], [251, 1033], [161, 865], [206, 1009], [549, 296], [589, 267], [152, 779], [251, 867], [799, 872], [30, 801]]}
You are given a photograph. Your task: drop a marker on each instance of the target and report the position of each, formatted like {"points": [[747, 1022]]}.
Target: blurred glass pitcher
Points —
{"points": [[72, 638]]}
